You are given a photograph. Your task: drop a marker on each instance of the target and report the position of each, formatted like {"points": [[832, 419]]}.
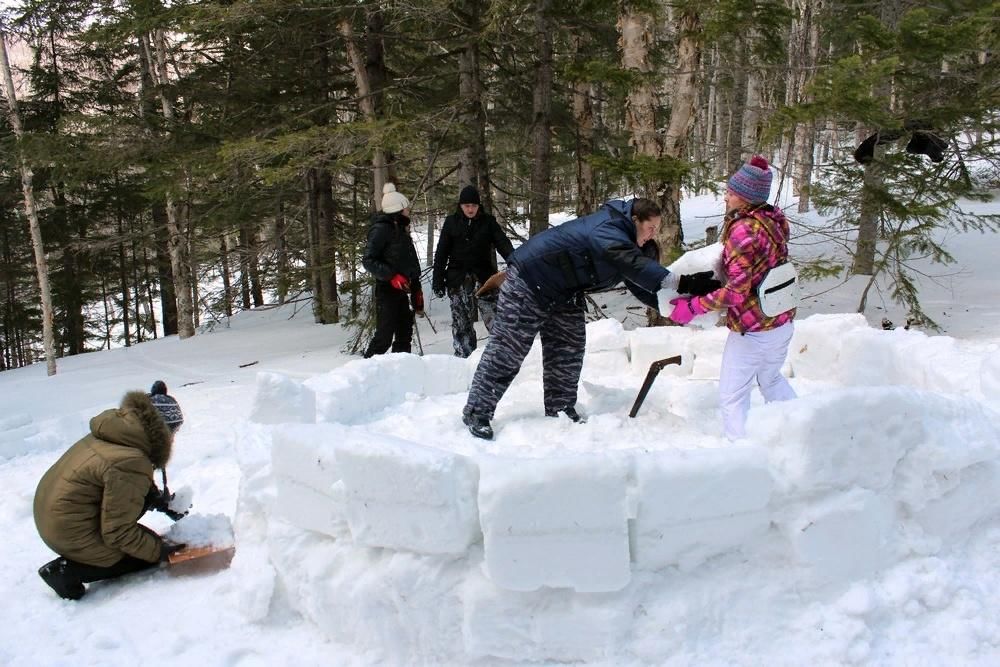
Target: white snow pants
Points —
{"points": [[757, 355]]}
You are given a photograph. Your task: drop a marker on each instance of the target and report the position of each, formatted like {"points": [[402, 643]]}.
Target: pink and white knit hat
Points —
{"points": [[752, 181]]}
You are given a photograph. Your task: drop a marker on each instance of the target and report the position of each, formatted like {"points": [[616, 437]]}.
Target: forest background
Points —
{"points": [[166, 164]]}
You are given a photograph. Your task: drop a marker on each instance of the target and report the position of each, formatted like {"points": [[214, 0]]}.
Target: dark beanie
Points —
{"points": [[469, 195], [166, 405]]}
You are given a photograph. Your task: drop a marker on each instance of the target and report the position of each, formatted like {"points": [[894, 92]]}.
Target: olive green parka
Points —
{"points": [[88, 504]]}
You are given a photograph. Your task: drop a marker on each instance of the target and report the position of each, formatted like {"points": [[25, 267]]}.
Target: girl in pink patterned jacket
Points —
{"points": [[754, 240]]}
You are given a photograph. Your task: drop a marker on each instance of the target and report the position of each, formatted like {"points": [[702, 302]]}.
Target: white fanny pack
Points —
{"points": [[778, 292]]}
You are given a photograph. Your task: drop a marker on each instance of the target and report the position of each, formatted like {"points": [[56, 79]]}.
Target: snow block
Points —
{"points": [[705, 351], [692, 504], [309, 509], [688, 544], [395, 608], [559, 626], [976, 497], [989, 378], [845, 537], [841, 438], [683, 485], [560, 523], [817, 343], [403, 495], [306, 454], [446, 374], [650, 344], [603, 364], [280, 399], [606, 335], [386, 378], [13, 440]]}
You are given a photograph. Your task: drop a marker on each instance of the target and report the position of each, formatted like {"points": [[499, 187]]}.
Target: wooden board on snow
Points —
{"points": [[200, 560]]}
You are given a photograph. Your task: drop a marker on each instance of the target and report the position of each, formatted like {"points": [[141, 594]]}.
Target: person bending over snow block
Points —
{"points": [[546, 279], [87, 505]]}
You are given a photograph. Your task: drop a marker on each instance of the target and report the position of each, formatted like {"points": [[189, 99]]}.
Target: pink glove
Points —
{"points": [[686, 309]]}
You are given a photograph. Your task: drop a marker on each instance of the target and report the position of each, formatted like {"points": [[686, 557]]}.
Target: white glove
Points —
{"points": [[667, 291], [663, 297]]}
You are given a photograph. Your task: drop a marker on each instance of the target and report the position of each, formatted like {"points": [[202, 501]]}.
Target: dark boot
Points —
{"points": [[61, 577], [479, 426], [569, 412]]}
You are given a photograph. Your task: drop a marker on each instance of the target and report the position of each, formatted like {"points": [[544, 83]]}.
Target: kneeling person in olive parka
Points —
{"points": [[87, 505]]}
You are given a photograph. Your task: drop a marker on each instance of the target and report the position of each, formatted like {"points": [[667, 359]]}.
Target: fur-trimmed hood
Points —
{"points": [[137, 423]]}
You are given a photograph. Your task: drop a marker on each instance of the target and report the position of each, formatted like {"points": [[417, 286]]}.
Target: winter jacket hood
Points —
{"points": [[87, 505], [138, 424]]}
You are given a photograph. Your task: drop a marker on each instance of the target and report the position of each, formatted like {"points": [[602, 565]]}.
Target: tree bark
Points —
{"points": [[366, 102], [583, 116], [326, 225], [27, 188], [541, 139], [177, 238], [227, 293]]}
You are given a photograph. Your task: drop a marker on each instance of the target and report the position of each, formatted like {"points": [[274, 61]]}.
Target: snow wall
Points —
{"points": [[408, 549]]}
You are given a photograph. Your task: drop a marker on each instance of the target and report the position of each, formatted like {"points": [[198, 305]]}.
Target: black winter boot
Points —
{"points": [[479, 426], [569, 412], [59, 575]]}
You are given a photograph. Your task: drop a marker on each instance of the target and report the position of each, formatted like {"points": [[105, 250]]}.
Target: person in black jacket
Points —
{"points": [[392, 260], [462, 263], [545, 281]]}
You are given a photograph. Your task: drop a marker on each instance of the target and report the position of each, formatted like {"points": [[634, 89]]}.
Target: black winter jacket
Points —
{"points": [[587, 254], [466, 246], [390, 250]]}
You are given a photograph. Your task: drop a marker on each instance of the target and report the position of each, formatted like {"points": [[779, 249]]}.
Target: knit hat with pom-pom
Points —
{"points": [[166, 405], [752, 181], [392, 201]]}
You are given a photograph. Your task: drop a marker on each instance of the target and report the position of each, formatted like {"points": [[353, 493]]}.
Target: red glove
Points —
{"points": [[400, 282], [686, 309], [418, 302]]}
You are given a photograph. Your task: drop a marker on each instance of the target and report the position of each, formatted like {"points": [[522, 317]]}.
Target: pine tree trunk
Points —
{"points": [[541, 140], [751, 114], [281, 250], [869, 216], [685, 92], [323, 183], [136, 284], [583, 115], [315, 257], [176, 236], [41, 263], [227, 293], [123, 281], [164, 270], [366, 102], [244, 268]]}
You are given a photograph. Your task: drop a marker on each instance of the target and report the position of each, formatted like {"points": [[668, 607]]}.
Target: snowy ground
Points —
{"points": [[938, 606]]}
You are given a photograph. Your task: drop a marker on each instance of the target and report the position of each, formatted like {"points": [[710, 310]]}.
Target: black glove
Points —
{"points": [[167, 548], [439, 292], [159, 501], [698, 284]]}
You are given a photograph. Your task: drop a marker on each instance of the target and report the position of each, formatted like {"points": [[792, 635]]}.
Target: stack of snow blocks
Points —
{"points": [[848, 482]]}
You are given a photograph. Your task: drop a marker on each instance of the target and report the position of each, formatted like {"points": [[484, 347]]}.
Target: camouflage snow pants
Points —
{"points": [[519, 318], [463, 301]]}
